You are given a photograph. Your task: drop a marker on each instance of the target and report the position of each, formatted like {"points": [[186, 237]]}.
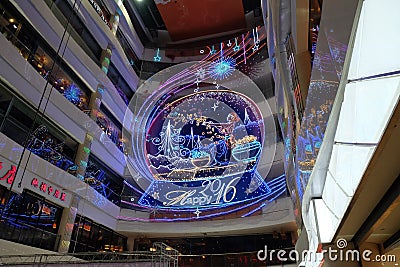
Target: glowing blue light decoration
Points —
{"points": [[157, 57], [42, 144], [198, 154], [199, 148], [222, 68], [277, 187], [73, 94], [212, 50], [236, 47]]}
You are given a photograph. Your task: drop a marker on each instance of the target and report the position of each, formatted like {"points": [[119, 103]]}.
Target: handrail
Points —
{"points": [[82, 257], [50, 154]]}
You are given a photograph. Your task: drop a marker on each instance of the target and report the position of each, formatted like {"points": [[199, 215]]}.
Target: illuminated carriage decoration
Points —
{"points": [[202, 136], [200, 145]]}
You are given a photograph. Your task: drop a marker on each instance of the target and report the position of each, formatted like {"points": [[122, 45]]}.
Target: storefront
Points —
{"points": [[29, 219]]}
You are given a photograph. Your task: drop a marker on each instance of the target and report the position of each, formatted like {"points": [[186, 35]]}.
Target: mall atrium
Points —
{"points": [[200, 133]]}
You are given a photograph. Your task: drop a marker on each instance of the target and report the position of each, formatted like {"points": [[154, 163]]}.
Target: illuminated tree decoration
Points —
{"points": [[73, 94], [222, 68]]}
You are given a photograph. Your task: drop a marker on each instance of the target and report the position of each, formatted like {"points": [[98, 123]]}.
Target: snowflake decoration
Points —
{"points": [[154, 210], [73, 94], [222, 68], [201, 73]]}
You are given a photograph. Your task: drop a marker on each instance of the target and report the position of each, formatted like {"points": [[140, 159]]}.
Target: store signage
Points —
{"points": [[45, 187], [8, 176]]}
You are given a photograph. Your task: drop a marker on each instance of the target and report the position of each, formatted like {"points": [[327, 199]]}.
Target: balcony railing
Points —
{"points": [[102, 182], [129, 52], [52, 154], [42, 63], [110, 130], [101, 11], [139, 258], [103, 188]]}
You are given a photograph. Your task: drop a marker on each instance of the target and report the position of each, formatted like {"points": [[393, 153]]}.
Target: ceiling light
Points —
{"points": [[11, 20]]}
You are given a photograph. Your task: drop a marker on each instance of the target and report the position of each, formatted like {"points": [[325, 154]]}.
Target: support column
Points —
{"points": [[82, 155], [131, 243], [67, 225], [81, 159], [114, 21], [105, 59]]}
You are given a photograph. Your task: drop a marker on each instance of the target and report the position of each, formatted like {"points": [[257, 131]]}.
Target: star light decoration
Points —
{"points": [[156, 195], [157, 57], [222, 68], [197, 212], [248, 191]]}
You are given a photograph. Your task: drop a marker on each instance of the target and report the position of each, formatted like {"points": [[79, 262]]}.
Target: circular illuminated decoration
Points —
{"points": [[198, 146], [222, 68], [212, 134]]}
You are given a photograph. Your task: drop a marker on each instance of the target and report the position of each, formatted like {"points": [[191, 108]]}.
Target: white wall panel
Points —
{"points": [[347, 165], [366, 108], [334, 197], [327, 221], [378, 40], [361, 118]]}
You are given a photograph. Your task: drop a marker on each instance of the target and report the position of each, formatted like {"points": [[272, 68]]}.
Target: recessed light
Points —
{"points": [[11, 20]]}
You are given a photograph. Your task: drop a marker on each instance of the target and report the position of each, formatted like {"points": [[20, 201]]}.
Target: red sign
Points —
{"points": [[50, 190], [10, 175]]}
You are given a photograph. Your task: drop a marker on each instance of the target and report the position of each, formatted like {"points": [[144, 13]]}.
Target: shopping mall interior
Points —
{"points": [[117, 147]]}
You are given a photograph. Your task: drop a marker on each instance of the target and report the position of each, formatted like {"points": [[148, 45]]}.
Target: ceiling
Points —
{"points": [[199, 20], [186, 19]]}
